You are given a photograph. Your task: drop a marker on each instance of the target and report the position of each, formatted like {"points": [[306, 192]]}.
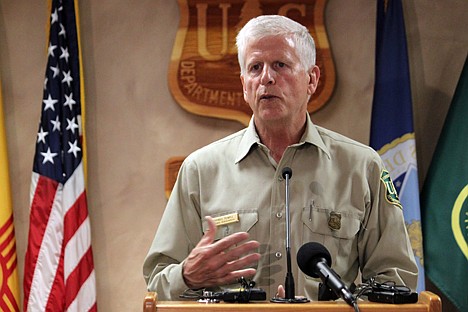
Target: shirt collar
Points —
{"points": [[313, 136], [251, 138]]}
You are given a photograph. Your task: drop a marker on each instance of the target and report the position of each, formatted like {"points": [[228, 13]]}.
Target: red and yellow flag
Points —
{"points": [[9, 290]]}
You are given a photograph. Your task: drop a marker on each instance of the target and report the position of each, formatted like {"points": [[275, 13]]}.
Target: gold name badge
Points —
{"points": [[227, 219]]}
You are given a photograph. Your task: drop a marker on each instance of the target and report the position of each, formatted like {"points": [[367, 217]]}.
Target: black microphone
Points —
{"points": [[289, 282], [287, 172], [314, 260]]}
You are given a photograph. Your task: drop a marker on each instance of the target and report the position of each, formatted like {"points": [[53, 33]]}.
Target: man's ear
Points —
{"points": [[314, 76], [244, 91]]}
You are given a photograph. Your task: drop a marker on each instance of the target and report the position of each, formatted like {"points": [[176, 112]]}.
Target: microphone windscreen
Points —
{"points": [[308, 256], [286, 171]]}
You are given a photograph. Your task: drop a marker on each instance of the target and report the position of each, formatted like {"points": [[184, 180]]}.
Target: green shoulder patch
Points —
{"points": [[391, 194]]}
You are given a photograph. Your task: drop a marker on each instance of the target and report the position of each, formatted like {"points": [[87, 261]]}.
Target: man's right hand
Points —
{"points": [[218, 263]]}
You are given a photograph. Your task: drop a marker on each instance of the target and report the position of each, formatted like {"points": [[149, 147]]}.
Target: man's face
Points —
{"points": [[275, 84]]}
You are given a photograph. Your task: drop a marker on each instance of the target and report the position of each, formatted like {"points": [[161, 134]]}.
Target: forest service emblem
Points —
{"points": [[334, 221], [390, 192], [204, 75]]}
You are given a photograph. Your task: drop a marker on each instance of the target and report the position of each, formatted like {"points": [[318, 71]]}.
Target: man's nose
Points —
{"points": [[267, 76]]}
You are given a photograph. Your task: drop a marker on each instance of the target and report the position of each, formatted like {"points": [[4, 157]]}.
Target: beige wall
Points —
{"points": [[134, 124]]}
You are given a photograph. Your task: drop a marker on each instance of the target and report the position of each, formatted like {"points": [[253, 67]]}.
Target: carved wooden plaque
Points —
{"points": [[171, 169], [204, 72]]}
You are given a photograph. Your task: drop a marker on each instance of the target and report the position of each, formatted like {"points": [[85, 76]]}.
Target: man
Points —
{"points": [[226, 219]]}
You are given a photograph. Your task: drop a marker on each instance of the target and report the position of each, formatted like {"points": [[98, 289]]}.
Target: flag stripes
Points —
{"points": [[8, 263], [59, 271]]}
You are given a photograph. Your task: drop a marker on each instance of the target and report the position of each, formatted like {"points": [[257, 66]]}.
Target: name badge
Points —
{"points": [[227, 219]]}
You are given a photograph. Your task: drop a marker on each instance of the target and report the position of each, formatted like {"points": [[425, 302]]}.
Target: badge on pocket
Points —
{"points": [[334, 221]]}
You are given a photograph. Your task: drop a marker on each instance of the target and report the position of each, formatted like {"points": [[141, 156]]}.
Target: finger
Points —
{"points": [[211, 224], [281, 292], [217, 267], [241, 263], [229, 241], [227, 250], [210, 234], [233, 277], [240, 250], [223, 253], [226, 263]]}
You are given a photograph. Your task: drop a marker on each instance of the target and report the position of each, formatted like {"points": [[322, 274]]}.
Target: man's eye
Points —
{"points": [[255, 67], [281, 64]]}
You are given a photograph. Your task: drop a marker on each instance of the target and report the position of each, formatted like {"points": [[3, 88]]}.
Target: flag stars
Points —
{"points": [[60, 161], [50, 50], [64, 54], [54, 17], [56, 124], [72, 125], [48, 156], [69, 101], [67, 78], [55, 70], [74, 148], [49, 103], [41, 136], [62, 31]]}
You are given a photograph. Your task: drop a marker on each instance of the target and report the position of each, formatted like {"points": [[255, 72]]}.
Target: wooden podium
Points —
{"points": [[428, 302]]}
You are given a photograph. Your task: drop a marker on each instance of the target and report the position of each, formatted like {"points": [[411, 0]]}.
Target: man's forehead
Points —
{"points": [[271, 45], [274, 42]]}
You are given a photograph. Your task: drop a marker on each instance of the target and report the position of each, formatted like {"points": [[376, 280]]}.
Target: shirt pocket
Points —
{"points": [[245, 223], [338, 224], [336, 230]]}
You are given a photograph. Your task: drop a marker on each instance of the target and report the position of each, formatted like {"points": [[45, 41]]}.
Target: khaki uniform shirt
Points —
{"points": [[339, 197]]}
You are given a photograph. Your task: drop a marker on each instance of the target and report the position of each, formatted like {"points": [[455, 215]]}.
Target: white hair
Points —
{"points": [[274, 25]]}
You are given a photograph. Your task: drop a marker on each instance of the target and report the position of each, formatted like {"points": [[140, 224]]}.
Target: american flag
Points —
{"points": [[59, 271]]}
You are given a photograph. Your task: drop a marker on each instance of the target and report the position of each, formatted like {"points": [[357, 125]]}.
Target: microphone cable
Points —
{"points": [[386, 292]]}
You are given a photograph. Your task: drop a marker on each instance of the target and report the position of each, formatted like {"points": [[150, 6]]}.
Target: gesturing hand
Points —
{"points": [[219, 263]]}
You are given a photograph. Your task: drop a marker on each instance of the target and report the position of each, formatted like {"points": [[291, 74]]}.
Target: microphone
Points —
{"points": [[314, 260], [289, 282]]}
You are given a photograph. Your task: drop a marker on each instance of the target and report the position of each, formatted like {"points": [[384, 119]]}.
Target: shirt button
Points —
{"points": [[279, 215], [278, 255]]}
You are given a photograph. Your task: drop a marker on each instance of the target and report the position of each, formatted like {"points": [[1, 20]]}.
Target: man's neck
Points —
{"points": [[277, 137]]}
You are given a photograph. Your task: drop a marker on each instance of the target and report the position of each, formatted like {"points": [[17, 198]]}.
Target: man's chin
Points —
{"points": [[272, 117]]}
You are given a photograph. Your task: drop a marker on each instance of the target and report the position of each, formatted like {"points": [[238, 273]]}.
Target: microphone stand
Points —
{"points": [[289, 282]]}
